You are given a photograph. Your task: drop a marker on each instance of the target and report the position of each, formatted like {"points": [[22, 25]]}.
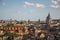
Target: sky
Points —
{"points": [[29, 9]]}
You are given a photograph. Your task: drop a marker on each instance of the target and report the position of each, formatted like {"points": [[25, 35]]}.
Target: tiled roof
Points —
{"points": [[1, 24]]}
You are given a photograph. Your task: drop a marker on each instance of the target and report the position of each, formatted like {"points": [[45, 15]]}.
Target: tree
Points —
{"points": [[24, 37], [1, 36], [10, 34], [40, 38]]}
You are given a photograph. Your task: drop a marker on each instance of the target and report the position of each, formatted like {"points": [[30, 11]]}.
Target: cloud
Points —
{"points": [[29, 4], [3, 3], [26, 4], [39, 5], [58, 0], [54, 2], [55, 6]]}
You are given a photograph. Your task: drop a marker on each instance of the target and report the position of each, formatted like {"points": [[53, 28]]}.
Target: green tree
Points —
{"points": [[40, 38], [24, 37], [1, 35], [10, 34]]}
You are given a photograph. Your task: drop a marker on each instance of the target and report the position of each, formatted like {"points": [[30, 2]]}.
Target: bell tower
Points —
{"points": [[48, 19]]}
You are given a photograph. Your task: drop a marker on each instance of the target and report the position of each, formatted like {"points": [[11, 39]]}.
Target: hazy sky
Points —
{"points": [[29, 9]]}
